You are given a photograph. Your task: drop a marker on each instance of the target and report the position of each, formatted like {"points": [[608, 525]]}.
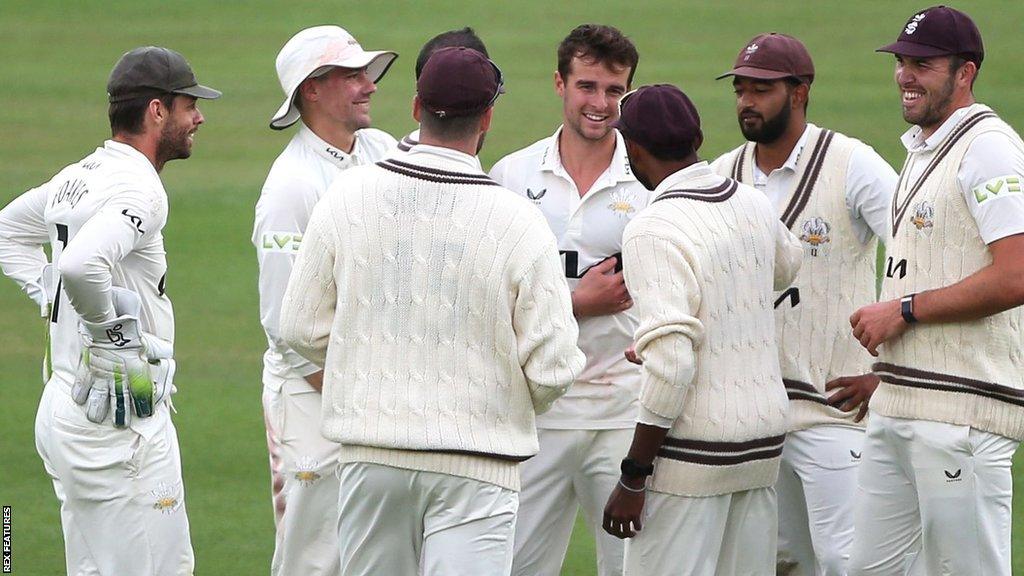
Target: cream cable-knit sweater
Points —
{"points": [[701, 264], [436, 302]]}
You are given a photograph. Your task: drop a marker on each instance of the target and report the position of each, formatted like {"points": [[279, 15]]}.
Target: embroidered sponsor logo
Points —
{"points": [[166, 499], [135, 220], [953, 476], [924, 217], [116, 337], [336, 153], [816, 233], [622, 203], [285, 242], [912, 25], [855, 455], [306, 471], [997, 188], [536, 196]]}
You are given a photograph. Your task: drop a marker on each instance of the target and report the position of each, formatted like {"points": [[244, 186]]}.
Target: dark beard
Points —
{"points": [[771, 128], [935, 113], [173, 144]]}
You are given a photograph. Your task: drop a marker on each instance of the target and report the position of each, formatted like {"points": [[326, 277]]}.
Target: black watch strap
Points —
{"points": [[633, 469], [907, 308]]}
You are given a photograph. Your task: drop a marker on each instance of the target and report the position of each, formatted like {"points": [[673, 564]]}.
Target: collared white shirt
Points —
{"points": [[589, 230], [991, 160], [870, 183], [297, 180]]}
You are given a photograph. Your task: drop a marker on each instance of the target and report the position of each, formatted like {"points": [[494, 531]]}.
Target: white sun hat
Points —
{"points": [[311, 53]]}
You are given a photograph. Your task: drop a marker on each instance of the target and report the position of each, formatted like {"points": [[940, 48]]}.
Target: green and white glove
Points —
{"points": [[122, 365]]}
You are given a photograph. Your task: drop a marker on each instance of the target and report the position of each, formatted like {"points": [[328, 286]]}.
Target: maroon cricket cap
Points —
{"points": [[152, 70], [458, 81], [939, 31], [661, 119], [773, 56]]}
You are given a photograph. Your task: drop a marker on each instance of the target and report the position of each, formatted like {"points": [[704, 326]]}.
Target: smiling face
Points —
{"points": [[590, 97], [763, 107], [178, 131], [342, 96], [930, 89]]}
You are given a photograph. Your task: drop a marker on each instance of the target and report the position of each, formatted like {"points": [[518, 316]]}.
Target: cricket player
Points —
{"points": [[103, 428], [934, 488], [834, 193], [436, 304], [328, 82], [462, 37], [580, 179], [701, 263]]}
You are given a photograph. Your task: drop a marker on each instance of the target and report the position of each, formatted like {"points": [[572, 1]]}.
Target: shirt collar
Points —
{"points": [[425, 151], [914, 141], [328, 151], [132, 153], [794, 155], [676, 179], [619, 169]]}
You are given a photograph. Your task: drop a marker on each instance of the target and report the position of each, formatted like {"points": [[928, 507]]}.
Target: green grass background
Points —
{"points": [[54, 60]]}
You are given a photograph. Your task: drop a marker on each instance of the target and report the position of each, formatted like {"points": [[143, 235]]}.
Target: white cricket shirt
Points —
{"points": [[991, 175], [589, 230], [297, 179]]}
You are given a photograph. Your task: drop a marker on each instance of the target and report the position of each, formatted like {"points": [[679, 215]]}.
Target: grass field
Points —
{"points": [[54, 61]]}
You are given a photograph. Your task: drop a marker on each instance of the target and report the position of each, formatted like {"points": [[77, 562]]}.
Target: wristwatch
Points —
{"points": [[907, 308], [633, 469]]}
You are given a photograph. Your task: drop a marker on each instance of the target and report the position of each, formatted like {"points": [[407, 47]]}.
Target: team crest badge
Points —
{"points": [[166, 499], [750, 51], [622, 203], [912, 25], [536, 196], [816, 233], [924, 217], [306, 471]]}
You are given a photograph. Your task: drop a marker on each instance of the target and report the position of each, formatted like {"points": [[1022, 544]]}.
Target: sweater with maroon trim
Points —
{"points": [[701, 264], [436, 303]]}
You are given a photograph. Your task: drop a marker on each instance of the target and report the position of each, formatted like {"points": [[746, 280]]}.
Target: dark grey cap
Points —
{"points": [[152, 70]]}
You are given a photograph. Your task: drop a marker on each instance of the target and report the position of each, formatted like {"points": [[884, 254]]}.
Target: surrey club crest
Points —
{"points": [[306, 472], [923, 218], [816, 234], [166, 499], [912, 25], [622, 203]]}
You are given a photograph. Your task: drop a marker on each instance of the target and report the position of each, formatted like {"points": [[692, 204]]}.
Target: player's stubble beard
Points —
{"points": [[174, 143], [771, 128], [936, 108]]}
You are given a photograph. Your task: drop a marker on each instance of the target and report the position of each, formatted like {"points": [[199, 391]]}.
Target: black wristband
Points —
{"points": [[632, 469], [907, 309]]}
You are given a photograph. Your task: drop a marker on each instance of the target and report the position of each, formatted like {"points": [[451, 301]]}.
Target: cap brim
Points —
{"points": [[376, 62], [914, 50], [758, 73], [200, 91]]}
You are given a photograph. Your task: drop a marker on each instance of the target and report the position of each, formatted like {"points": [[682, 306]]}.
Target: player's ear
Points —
{"points": [[559, 84], [308, 89], [485, 119], [416, 108]]}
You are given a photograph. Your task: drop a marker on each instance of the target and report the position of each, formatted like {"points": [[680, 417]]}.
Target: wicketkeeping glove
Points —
{"points": [[120, 363]]}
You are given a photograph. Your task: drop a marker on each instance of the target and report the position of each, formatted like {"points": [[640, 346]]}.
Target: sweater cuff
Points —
{"points": [[651, 419], [668, 372]]}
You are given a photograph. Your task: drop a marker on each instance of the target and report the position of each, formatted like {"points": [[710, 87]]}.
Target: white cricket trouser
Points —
{"points": [[728, 535], [409, 522], [122, 503], [932, 498], [816, 487], [574, 469], [304, 482]]}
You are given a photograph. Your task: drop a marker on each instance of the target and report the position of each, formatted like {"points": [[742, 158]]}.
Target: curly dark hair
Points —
{"points": [[598, 43]]}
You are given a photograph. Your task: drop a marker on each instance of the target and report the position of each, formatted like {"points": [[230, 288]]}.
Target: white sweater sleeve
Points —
{"points": [[308, 307], [22, 236], [122, 223], [546, 330], [281, 218], [662, 281], [789, 255]]}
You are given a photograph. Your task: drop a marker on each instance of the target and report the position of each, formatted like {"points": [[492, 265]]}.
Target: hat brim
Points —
{"points": [[199, 91], [376, 62], [757, 73], [914, 50]]}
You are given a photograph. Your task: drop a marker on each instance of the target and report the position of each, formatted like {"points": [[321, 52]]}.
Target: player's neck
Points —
{"points": [[585, 160], [773, 155], [145, 145], [963, 101], [336, 134]]}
